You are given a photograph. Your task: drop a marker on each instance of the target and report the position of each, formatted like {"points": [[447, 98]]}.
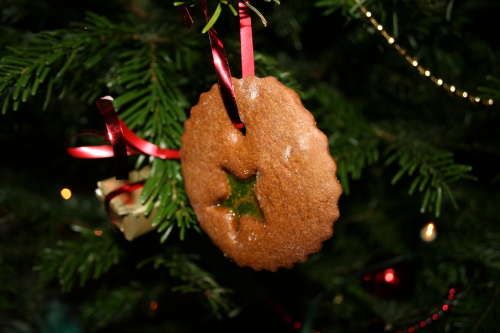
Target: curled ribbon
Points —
{"points": [[123, 142], [223, 73], [124, 189]]}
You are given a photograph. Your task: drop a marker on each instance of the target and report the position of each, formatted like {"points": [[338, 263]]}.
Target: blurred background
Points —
{"points": [[406, 91]]}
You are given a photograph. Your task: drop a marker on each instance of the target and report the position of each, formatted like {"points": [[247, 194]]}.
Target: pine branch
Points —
{"points": [[78, 259], [479, 311], [269, 66], [491, 310], [491, 92], [58, 59], [151, 102], [197, 280], [333, 5], [61, 61], [166, 185], [354, 157], [108, 306], [436, 170], [490, 255], [152, 99], [476, 271], [354, 144], [287, 24]]}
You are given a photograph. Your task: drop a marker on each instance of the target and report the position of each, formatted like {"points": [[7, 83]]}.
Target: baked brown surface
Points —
{"points": [[296, 184]]}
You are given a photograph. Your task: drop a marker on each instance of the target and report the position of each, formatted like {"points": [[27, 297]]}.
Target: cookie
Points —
{"points": [[267, 198]]}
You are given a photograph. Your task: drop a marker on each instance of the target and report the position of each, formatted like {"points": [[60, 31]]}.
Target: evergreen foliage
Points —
{"points": [[71, 261], [407, 152]]}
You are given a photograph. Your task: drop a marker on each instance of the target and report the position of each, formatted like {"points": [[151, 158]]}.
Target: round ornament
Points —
{"points": [[267, 198]]}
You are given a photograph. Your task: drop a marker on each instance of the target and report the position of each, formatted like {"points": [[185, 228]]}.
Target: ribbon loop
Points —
{"points": [[123, 140], [115, 136]]}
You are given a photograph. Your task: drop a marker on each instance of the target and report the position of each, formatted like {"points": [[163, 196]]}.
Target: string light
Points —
{"points": [[66, 193], [389, 276], [287, 318], [413, 61], [428, 232], [436, 315]]}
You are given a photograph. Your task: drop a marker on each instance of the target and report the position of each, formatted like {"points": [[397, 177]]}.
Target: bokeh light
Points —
{"points": [[66, 193], [428, 232]]}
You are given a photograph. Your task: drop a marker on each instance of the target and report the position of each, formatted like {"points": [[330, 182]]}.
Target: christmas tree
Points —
{"points": [[407, 93]]}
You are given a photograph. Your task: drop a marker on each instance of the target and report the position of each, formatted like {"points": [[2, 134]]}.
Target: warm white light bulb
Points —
{"points": [[490, 102], [427, 73], [439, 82], [465, 94], [391, 40], [414, 63], [428, 232], [452, 88], [478, 99], [380, 27], [368, 14]]}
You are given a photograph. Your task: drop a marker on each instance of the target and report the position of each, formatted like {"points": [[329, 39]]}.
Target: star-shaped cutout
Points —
{"points": [[241, 200]]}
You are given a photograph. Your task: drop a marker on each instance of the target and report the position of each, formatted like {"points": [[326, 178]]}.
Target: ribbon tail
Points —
{"points": [[91, 152]]}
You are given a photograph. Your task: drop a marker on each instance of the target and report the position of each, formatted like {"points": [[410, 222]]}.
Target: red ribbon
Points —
{"points": [[115, 136], [123, 142], [124, 189], [223, 73], [246, 40]]}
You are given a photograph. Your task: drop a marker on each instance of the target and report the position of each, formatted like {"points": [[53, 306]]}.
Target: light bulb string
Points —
{"points": [[447, 303], [452, 89]]}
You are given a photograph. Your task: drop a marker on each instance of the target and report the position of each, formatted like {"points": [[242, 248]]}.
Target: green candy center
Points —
{"points": [[241, 200]]}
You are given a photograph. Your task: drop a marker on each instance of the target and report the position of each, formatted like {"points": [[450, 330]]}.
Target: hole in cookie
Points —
{"points": [[241, 127], [241, 200], [232, 110]]}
